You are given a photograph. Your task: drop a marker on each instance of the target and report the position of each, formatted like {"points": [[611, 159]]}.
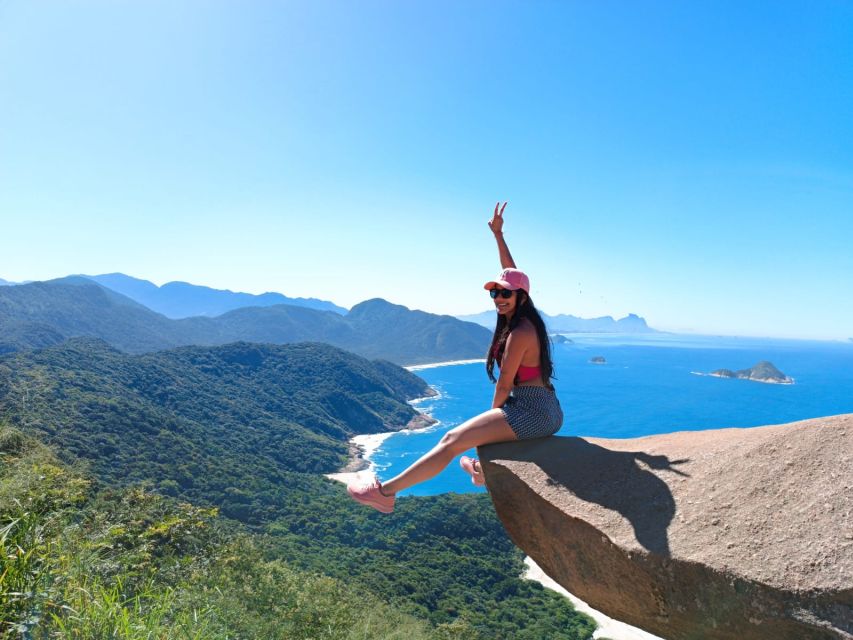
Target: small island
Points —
{"points": [[559, 338], [764, 371], [598, 360]]}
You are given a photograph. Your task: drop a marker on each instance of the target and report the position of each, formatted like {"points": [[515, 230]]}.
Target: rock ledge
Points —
{"points": [[721, 534]]}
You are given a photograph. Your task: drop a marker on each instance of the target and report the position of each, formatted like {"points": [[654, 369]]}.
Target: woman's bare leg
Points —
{"points": [[488, 427]]}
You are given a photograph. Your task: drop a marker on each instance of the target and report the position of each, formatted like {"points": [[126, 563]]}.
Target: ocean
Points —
{"points": [[649, 384]]}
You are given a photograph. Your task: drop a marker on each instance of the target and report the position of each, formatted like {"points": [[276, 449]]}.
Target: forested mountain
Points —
{"points": [[183, 300], [40, 314], [247, 428], [413, 334], [218, 425], [78, 560]]}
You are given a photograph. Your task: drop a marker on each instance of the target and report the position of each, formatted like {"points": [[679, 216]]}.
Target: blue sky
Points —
{"points": [[689, 162]]}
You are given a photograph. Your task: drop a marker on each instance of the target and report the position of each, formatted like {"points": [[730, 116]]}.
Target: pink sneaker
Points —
{"points": [[468, 464], [370, 495]]}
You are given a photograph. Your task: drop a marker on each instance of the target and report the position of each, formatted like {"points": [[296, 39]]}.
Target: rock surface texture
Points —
{"points": [[725, 534]]}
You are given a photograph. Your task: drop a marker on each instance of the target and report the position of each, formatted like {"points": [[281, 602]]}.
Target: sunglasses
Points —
{"points": [[503, 293]]}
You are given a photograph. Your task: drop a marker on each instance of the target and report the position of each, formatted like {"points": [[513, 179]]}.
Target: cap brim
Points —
{"points": [[503, 283]]}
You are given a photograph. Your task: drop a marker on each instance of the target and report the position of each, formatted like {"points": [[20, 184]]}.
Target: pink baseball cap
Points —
{"points": [[511, 279]]}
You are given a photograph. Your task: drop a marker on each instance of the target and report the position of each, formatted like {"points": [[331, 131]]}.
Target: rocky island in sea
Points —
{"points": [[559, 338], [764, 371], [598, 360]]}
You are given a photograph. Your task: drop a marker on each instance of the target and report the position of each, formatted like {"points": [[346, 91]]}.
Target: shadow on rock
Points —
{"points": [[617, 480]]}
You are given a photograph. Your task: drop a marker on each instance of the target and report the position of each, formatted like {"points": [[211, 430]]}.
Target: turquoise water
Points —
{"points": [[645, 387]]}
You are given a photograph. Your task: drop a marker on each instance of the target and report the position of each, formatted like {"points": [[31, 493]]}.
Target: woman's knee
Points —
{"points": [[488, 427], [451, 440]]}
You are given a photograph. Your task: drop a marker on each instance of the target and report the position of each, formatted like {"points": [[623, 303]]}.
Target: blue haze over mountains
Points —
{"points": [[184, 300], [568, 323], [42, 314]]}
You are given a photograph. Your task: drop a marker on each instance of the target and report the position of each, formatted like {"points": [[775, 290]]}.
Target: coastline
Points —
{"points": [[359, 466], [432, 365], [607, 626]]}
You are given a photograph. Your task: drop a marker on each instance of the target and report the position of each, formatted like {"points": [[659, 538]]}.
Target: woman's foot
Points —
{"points": [[472, 466], [370, 493]]}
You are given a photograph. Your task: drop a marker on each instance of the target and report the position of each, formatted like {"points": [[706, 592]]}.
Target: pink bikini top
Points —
{"points": [[524, 374]]}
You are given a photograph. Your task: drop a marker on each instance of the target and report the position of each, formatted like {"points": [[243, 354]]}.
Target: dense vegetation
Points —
{"points": [[40, 314], [82, 564], [225, 426], [247, 428], [443, 558], [89, 564]]}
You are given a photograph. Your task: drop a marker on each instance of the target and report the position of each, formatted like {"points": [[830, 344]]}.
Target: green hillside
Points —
{"points": [[43, 313], [81, 560], [81, 563], [248, 428], [210, 424]]}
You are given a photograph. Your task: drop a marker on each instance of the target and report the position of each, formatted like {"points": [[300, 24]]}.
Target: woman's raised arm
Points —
{"points": [[496, 224]]}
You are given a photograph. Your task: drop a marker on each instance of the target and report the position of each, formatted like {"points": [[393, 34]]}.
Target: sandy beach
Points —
{"points": [[432, 365], [607, 627], [360, 467]]}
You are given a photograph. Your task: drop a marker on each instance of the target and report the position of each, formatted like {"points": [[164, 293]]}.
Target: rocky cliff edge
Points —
{"points": [[721, 534]]}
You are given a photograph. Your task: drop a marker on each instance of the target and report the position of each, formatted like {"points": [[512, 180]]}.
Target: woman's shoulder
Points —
{"points": [[525, 329]]}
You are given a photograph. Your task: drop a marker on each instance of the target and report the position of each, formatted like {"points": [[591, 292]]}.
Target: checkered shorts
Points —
{"points": [[533, 412]]}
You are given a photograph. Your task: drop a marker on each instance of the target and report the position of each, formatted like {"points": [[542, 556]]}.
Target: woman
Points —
{"points": [[524, 405]]}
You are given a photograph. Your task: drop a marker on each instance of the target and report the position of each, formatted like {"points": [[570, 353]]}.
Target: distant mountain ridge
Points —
{"points": [[178, 300], [568, 323], [41, 314]]}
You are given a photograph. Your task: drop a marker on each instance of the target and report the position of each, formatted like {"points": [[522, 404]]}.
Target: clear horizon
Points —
{"points": [[690, 164]]}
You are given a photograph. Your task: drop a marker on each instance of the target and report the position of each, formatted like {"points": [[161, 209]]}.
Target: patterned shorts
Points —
{"points": [[533, 412]]}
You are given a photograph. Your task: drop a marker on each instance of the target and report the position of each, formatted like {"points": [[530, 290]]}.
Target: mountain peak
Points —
{"points": [[376, 304]]}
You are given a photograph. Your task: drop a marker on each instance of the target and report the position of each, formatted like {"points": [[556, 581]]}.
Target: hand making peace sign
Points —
{"points": [[496, 224]]}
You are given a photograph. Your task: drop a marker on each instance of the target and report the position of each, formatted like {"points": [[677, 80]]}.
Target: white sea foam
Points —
{"points": [[438, 395]]}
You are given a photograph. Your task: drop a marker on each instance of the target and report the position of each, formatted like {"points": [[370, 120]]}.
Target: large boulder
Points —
{"points": [[723, 534]]}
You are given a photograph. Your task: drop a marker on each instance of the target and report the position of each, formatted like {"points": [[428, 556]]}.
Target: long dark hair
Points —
{"points": [[524, 308]]}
